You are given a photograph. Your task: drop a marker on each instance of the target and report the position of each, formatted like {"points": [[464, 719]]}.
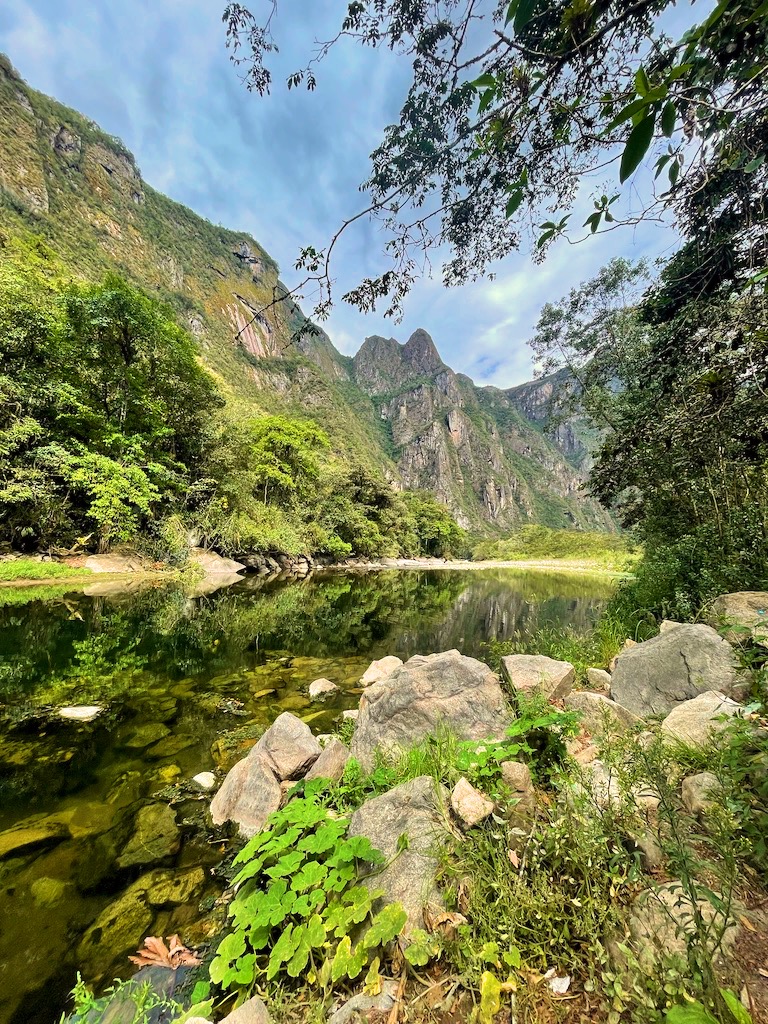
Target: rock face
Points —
{"points": [[470, 805], [599, 715], [534, 673], [380, 669], [331, 763], [654, 677], [248, 795], [417, 809], [288, 747], [422, 697], [748, 609], [694, 722]]}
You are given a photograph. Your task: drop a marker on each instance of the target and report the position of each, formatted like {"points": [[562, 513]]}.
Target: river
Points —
{"points": [[186, 682]]}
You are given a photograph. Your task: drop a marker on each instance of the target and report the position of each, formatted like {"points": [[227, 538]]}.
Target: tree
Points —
{"points": [[514, 106]]}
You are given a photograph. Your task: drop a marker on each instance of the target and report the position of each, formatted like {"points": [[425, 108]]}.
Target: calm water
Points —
{"points": [[188, 682]]}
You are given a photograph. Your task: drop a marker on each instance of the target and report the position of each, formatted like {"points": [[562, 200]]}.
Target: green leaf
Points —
{"points": [[740, 1015], [421, 948], [674, 172], [524, 13], [486, 81], [511, 11], [346, 963], [287, 865], [693, 1013], [642, 85], [490, 997], [386, 925], [513, 203], [637, 146], [753, 165], [668, 117], [312, 874], [627, 112]]}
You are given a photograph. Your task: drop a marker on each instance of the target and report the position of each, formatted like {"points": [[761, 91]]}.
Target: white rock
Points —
{"points": [[81, 713], [319, 689], [205, 780], [380, 669], [350, 715], [470, 805], [694, 722], [535, 673], [599, 678]]}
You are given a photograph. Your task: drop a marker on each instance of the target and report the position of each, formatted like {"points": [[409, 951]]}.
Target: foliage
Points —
{"points": [[30, 569], [512, 106], [607, 550], [139, 1000], [299, 904]]}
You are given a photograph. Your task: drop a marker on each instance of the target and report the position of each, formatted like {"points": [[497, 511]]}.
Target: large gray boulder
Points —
{"points": [[419, 810], [535, 673], [747, 609], [288, 747], [654, 677], [422, 697], [696, 721], [248, 795]]}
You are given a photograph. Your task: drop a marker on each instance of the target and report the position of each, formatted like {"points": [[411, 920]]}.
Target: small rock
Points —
{"points": [[205, 781], [155, 837], [361, 1007], [350, 714], [248, 795], [601, 784], [517, 776], [319, 689], [651, 854], [535, 673], [694, 722], [668, 624], [747, 609], [380, 669], [599, 678], [470, 805], [252, 1012], [599, 715], [331, 763], [81, 713], [699, 792], [288, 747]]}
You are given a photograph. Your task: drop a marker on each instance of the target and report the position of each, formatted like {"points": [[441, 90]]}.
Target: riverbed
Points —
{"points": [[186, 682]]}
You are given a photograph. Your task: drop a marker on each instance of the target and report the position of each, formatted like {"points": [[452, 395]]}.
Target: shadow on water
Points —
{"points": [[188, 683]]}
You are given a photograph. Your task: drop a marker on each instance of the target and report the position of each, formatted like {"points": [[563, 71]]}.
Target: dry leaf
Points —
{"points": [[513, 858], [747, 923], [155, 953], [445, 923]]}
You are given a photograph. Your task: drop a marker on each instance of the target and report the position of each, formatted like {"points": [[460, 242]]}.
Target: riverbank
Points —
{"points": [[571, 565]]}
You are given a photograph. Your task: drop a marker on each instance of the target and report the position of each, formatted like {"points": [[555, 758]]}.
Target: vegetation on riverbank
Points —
{"points": [[613, 551], [19, 570]]}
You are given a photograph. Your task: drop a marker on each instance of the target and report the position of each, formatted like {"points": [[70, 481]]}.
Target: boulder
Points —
{"points": [[81, 712], [117, 931], [470, 805], [599, 679], [535, 673], [417, 809], [288, 747], [380, 669], [427, 694], [213, 564], [350, 714], [319, 689], [15, 842], [248, 795], [362, 1007], [331, 763], [699, 792], [252, 1012], [155, 837], [747, 609], [694, 722], [117, 561], [626, 646], [599, 715], [654, 677], [173, 888]]}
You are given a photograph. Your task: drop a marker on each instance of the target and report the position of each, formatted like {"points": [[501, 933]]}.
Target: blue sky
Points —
{"points": [[287, 167]]}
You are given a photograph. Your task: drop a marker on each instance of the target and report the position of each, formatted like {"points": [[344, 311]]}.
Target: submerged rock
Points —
{"points": [[155, 837], [29, 836], [418, 810], [248, 795], [425, 696], [654, 677], [116, 932], [535, 673]]}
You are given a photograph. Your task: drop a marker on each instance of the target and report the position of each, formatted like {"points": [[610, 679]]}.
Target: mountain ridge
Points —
{"points": [[395, 407]]}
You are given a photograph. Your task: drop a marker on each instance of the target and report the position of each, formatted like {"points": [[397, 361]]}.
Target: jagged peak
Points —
{"points": [[421, 351]]}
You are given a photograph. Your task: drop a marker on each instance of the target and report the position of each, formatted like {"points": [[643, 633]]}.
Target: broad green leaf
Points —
{"points": [[627, 112], [740, 1014], [642, 85], [512, 957], [637, 146], [513, 203], [326, 837], [372, 985], [524, 13], [287, 865], [421, 948], [312, 874], [511, 11], [668, 117], [386, 925], [486, 81], [490, 997], [694, 1013], [346, 963]]}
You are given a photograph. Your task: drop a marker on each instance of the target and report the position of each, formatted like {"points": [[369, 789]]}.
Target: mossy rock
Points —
{"points": [[145, 735], [227, 749], [31, 835], [116, 932], [155, 837], [173, 888]]}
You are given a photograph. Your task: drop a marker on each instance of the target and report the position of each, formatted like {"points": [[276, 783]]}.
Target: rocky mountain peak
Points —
{"points": [[421, 353]]}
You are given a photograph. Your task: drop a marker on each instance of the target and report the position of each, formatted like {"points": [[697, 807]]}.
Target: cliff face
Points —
{"points": [[396, 408]]}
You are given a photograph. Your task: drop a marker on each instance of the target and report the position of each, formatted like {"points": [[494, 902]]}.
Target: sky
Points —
{"points": [[285, 168]]}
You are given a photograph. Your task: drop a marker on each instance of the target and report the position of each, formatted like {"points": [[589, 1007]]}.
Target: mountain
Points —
{"points": [[395, 407]]}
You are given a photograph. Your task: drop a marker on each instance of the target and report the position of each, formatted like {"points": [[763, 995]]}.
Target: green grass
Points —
{"points": [[531, 543], [15, 570]]}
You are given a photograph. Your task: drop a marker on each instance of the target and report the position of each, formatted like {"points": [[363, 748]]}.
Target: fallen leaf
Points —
{"points": [[155, 953], [513, 858], [747, 923]]}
